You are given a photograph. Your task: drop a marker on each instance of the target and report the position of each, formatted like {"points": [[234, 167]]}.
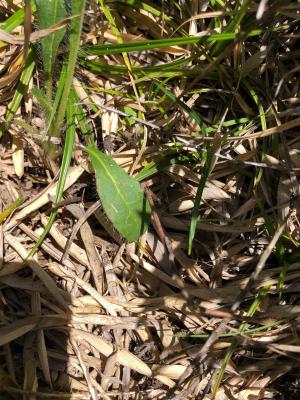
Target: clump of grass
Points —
{"points": [[197, 106]]}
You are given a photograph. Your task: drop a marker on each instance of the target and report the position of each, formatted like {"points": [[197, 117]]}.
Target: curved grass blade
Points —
{"points": [[66, 161], [206, 168], [123, 199], [21, 89]]}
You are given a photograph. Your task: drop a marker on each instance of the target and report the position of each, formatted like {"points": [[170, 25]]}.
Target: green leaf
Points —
{"points": [[68, 149], [49, 12], [123, 199], [129, 111]]}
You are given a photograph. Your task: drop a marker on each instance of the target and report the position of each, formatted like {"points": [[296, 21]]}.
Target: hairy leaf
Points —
{"points": [[123, 200], [49, 12]]}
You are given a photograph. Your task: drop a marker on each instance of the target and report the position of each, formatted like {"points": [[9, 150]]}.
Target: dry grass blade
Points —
{"points": [[75, 251], [124, 357], [43, 198], [260, 265], [37, 269], [34, 36], [16, 329], [61, 271], [42, 350]]}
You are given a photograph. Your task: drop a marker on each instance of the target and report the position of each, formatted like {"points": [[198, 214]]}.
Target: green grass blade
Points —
{"points": [[144, 73], [261, 328], [13, 21], [81, 117], [123, 199], [78, 8], [206, 168], [58, 95], [233, 25], [154, 167], [66, 161], [127, 47], [50, 148], [68, 149], [141, 5], [252, 310], [198, 197], [16, 19], [191, 113], [21, 89], [175, 67]]}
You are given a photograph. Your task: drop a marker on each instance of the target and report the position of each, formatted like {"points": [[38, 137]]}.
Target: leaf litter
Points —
{"points": [[91, 316]]}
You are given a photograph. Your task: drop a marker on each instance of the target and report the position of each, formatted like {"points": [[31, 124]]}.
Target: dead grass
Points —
{"points": [[90, 316]]}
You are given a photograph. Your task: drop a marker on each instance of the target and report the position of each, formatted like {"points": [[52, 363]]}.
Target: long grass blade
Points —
{"points": [[78, 8], [66, 161], [127, 47], [21, 89]]}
